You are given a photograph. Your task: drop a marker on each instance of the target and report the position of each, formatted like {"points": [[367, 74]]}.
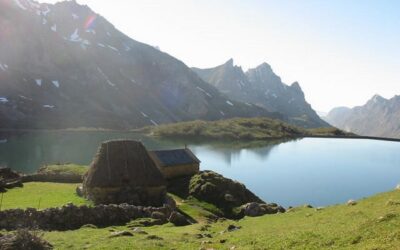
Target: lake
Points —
{"points": [[316, 171]]}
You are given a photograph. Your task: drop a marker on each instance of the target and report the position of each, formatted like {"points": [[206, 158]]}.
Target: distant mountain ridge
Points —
{"points": [[64, 66], [263, 87], [378, 117]]}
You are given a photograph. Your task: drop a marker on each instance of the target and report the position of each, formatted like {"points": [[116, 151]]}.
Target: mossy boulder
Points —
{"points": [[224, 193]]}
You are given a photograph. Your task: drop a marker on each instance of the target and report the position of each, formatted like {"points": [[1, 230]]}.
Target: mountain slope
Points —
{"points": [[378, 117], [65, 66], [263, 87]]}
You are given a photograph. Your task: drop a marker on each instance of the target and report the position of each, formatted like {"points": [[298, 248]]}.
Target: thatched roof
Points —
{"points": [[123, 163], [175, 157]]}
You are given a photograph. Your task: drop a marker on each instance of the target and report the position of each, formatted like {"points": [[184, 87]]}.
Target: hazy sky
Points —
{"points": [[342, 52]]}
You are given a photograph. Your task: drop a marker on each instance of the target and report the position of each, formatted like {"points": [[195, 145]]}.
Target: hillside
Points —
{"points": [[263, 87], [65, 66], [240, 129], [372, 223], [378, 117]]}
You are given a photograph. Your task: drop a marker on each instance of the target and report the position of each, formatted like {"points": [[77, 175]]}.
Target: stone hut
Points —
{"points": [[123, 172], [176, 163]]}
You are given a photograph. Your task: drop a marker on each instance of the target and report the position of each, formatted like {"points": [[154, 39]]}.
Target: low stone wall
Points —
{"points": [[70, 217], [60, 178]]}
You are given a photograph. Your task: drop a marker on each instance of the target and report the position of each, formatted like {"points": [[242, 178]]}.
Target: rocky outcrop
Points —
{"points": [[222, 192], [255, 209], [70, 217]]}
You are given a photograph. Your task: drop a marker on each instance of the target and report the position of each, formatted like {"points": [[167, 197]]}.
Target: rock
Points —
{"points": [[79, 191], [158, 216], [307, 206], [200, 236], [398, 187], [154, 237], [170, 202], [205, 227], [120, 234], [178, 219], [253, 209], [222, 241], [138, 230], [229, 198], [224, 193], [232, 228], [351, 203]]}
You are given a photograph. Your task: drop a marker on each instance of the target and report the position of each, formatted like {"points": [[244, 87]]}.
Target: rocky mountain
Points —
{"points": [[64, 66], [261, 86], [378, 117]]}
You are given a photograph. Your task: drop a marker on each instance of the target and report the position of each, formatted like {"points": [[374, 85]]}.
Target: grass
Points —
{"points": [[244, 129], [59, 169], [373, 223], [47, 194]]}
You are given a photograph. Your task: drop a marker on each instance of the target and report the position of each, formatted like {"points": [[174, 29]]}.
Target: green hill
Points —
{"points": [[245, 129]]}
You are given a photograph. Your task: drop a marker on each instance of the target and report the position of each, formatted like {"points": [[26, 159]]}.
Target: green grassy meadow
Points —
{"points": [[373, 223]]}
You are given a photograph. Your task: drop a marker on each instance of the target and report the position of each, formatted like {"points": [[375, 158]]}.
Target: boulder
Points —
{"points": [[178, 219], [120, 234], [224, 193], [255, 209]]}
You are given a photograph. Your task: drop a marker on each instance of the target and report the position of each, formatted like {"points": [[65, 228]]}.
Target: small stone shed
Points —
{"points": [[176, 163], [123, 172]]}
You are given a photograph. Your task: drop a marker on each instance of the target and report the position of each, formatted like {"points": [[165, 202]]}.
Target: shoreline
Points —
{"points": [[359, 137]]}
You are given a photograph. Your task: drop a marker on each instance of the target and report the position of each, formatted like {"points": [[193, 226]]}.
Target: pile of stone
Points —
{"points": [[9, 179], [70, 217], [254, 209]]}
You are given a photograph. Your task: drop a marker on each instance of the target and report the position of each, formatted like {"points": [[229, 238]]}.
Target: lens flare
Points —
{"points": [[90, 22]]}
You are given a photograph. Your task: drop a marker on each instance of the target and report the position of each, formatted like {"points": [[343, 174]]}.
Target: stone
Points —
{"points": [[158, 216], [253, 209], [351, 203], [178, 219], [154, 237], [232, 228], [138, 230], [79, 191], [120, 234], [229, 198]]}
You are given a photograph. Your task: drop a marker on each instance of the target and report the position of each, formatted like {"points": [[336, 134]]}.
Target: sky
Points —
{"points": [[341, 52]]}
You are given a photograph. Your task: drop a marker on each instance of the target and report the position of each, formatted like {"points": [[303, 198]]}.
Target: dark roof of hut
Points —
{"points": [[123, 163], [175, 157]]}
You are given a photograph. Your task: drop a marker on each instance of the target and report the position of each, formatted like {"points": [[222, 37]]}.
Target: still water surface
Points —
{"points": [[315, 171]]}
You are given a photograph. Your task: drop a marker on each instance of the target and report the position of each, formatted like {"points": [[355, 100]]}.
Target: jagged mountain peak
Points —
{"points": [[261, 86], [377, 98], [229, 62]]}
